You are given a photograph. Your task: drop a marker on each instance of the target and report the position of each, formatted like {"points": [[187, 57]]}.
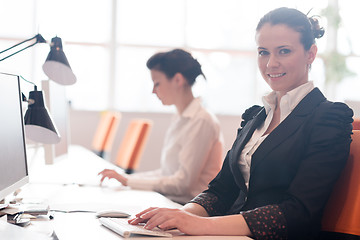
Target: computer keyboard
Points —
{"points": [[122, 227]]}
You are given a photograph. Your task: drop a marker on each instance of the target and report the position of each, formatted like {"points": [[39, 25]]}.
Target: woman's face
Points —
{"points": [[282, 59], [164, 88]]}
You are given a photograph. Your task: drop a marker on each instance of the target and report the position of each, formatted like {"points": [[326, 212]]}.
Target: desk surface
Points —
{"points": [[72, 184]]}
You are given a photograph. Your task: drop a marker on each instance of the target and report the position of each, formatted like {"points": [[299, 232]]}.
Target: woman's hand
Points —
{"points": [[166, 219], [192, 223], [110, 173]]}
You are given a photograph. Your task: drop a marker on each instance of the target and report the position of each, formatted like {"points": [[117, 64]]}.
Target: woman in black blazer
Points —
{"points": [[279, 173]]}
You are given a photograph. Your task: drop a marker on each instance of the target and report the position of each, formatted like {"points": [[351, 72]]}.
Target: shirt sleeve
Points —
{"points": [[144, 180], [210, 202], [266, 222]]}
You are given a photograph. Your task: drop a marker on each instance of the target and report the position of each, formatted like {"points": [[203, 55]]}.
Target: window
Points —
{"points": [[108, 42]]}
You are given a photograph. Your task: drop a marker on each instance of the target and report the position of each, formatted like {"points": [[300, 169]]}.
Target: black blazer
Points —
{"points": [[294, 168]]}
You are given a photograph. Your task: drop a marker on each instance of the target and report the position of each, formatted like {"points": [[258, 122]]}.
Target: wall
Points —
{"points": [[83, 126], [355, 106]]}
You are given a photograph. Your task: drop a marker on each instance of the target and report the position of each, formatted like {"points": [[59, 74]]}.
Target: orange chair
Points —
{"points": [[356, 124], [133, 144], [342, 212], [105, 132]]}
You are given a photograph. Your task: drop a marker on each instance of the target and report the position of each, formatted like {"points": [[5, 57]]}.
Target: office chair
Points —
{"points": [[133, 144], [341, 219], [356, 124], [105, 132]]}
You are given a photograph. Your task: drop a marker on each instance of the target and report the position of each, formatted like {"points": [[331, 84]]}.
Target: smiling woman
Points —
{"points": [[276, 178]]}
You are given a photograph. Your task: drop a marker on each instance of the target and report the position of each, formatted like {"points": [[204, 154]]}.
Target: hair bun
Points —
{"points": [[318, 31]]}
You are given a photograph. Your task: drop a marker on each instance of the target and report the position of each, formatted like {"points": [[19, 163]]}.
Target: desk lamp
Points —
{"points": [[38, 123], [39, 126], [56, 66]]}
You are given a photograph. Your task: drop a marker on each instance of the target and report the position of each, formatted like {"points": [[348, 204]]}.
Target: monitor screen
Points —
{"points": [[13, 162]]}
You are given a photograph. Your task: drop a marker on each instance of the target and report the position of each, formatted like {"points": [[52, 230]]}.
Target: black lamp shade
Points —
{"points": [[56, 66], [39, 126]]}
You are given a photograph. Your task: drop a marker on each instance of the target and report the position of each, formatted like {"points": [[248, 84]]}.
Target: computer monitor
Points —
{"points": [[13, 162]]}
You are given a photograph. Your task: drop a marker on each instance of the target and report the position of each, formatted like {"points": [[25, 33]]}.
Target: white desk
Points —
{"points": [[72, 184]]}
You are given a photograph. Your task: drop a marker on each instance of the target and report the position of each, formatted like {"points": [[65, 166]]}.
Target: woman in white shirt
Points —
{"points": [[192, 151]]}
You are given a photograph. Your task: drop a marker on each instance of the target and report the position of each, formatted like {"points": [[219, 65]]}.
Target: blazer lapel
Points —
{"points": [[242, 139], [247, 131], [287, 127]]}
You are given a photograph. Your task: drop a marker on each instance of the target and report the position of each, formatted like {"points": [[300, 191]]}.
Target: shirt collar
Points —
{"points": [[192, 108], [290, 100]]}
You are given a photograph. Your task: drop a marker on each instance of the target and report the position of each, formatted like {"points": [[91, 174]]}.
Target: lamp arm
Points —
{"points": [[35, 87], [24, 98], [38, 37]]}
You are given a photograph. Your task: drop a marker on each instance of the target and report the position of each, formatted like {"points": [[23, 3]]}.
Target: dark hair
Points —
{"points": [[176, 61], [308, 27]]}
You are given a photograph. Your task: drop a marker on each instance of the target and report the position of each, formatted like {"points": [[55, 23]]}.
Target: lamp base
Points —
{"points": [[49, 152]]}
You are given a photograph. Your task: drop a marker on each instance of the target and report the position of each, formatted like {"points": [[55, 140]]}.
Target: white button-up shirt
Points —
{"points": [[191, 156], [287, 103]]}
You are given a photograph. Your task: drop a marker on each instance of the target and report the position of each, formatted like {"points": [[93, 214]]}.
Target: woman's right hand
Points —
{"points": [[166, 218], [110, 173], [191, 220]]}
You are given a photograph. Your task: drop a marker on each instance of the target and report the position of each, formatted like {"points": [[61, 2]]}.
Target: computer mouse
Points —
{"points": [[112, 213]]}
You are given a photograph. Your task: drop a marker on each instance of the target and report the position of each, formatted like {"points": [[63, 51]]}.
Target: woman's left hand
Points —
{"points": [[110, 173], [166, 218]]}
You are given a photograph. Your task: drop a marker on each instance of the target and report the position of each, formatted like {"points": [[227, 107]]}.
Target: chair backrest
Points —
{"points": [[133, 144], [105, 133], [342, 212], [356, 124]]}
